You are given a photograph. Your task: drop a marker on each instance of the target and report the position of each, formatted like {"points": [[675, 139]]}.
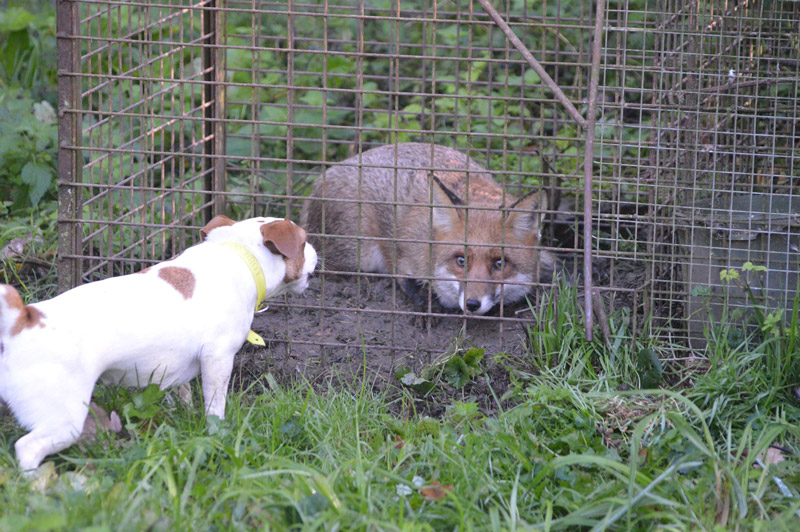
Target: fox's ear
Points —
{"points": [[445, 214], [527, 216]]}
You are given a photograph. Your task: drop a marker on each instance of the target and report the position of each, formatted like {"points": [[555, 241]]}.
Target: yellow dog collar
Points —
{"points": [[258, 277]]}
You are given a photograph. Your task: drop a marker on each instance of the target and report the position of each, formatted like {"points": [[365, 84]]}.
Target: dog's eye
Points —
{"points": [[498, 264], [460, 261]]}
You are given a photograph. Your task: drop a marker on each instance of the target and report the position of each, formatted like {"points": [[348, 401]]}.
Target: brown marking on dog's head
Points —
{"points": [[282, 237], [144, 271], [29, 317], [217, 221], [181, 279], [13, 300]]}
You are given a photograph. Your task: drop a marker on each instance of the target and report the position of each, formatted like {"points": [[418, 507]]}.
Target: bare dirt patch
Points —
{"points": [[345, 330]]}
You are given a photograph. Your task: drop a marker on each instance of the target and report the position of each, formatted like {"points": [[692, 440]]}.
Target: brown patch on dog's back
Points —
{"points": [[181, 279], [29, 317], [144, 271]]}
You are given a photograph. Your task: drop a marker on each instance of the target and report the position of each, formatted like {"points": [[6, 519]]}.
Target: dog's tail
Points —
{"points": [[12, 311]]}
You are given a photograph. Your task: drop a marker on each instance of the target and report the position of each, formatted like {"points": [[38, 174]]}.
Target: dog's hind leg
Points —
{"points": [[215, 372]]}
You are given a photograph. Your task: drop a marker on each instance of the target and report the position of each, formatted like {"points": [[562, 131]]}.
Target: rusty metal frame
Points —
{"points": [[214, 103], [69, 167], [680, 98]]}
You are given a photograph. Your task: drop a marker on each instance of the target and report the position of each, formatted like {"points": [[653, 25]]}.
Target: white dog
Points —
{"points": [[165, 324]]}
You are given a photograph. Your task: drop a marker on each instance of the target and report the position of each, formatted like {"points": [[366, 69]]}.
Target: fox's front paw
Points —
{"points": [[422, 321]]}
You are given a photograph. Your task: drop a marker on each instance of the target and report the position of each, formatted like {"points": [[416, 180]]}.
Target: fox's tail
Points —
{"points": [[11, 309]]}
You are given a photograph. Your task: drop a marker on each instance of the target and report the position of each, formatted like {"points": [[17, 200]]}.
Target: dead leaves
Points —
{"points": [[98, 422], [435, 491]]}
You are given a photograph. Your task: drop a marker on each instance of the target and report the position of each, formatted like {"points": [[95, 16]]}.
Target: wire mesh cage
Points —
{"points": [[173, 111]]}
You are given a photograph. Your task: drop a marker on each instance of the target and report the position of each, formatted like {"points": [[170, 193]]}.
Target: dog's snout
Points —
{"points": [[473, 305]]}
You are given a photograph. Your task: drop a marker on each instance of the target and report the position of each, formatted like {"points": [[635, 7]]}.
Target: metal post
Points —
{"points": [[69, 170], [588, 168], [214, 98]]}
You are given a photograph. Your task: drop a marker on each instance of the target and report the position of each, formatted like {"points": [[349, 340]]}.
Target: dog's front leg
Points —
{"points": [[215, 371]]}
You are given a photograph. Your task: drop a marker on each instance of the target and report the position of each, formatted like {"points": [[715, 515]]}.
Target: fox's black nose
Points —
{"points": [[473, 305]]}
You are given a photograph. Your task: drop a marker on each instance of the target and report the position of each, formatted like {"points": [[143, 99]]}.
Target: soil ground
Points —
{"points": [[345, 329]]}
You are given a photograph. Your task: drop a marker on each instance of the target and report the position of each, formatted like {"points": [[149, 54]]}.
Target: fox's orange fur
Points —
{"points": [[472, 246]]}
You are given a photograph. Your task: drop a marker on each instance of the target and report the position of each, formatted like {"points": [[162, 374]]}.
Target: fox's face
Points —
{"points": [[498, 261], [478, 279]]}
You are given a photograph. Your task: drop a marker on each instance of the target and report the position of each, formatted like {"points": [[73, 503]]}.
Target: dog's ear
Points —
{"points": [[217, 221], [284, 237]]}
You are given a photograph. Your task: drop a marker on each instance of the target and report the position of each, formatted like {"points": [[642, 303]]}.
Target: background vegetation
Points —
{"points": [[590, 436]]}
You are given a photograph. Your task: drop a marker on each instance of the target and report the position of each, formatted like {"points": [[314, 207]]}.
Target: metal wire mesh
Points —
{"points": [[175, 110]]}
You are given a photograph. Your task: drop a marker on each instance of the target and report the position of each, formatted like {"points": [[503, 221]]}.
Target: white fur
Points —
{"points": [[452, 294], [448, 288], [513, 289], [487, 302], [134, 330], [372, 258]]}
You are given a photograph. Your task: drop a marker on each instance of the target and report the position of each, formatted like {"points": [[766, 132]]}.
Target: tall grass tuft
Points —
{"points": [[558, 350], [754, 362]]}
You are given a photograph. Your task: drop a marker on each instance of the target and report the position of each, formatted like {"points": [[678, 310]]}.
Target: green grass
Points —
{"points": [[297, 459], [573, 453]]}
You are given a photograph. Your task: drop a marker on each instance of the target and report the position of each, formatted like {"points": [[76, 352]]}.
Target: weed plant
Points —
{"points": [[754, 358]]}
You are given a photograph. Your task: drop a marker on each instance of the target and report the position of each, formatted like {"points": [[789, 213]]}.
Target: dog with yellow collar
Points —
{"points": [[165, 324]]}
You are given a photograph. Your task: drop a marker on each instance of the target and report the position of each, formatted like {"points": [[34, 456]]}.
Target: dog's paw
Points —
{"points": [[42, 477]]}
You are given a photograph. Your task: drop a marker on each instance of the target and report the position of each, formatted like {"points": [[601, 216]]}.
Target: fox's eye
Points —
{"points": [[498, 264], [461, 261]]}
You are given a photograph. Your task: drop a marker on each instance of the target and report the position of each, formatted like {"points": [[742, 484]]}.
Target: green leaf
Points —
{"points": [[457, 372], [15, 19], [9, 143], [532, 78], [293, 428], [38, 178], [339, 64], [686, 430], [406, 376], [48, 521], [649, 368], [313, 505], [474, 356]]}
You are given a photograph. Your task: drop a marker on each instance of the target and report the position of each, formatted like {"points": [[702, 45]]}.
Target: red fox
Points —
{"points": [[429, 214]]}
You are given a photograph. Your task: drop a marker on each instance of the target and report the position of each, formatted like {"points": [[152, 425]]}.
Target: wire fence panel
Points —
{"points": [[177, 110]]}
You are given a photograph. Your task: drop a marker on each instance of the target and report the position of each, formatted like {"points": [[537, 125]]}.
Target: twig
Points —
{"points": [[588, 166], [602, 318], [526, 54], [742, 84]]}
